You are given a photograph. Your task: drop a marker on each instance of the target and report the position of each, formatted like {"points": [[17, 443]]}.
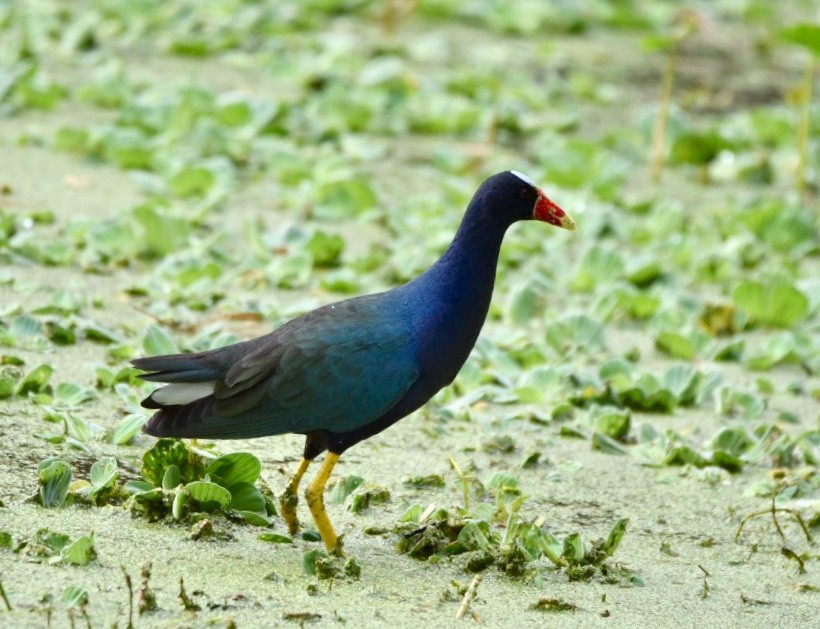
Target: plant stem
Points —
{"points": [[469, 595], [803, 128], [4, 597], [130, 588], [464, 486], [659, 131]]}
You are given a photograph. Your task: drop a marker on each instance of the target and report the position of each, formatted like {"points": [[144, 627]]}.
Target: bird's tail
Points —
{"points": [[187, 407], [201, 367], [187, 400]]}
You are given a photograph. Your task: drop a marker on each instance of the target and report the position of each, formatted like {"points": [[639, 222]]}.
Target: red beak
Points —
{"points": [[546, 211]]}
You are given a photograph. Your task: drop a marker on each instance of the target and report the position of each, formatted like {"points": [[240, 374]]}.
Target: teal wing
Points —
{"points": [[337, 368]]}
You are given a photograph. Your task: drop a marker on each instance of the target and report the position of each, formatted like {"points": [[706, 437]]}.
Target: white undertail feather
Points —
{"points": [[182, 392]]}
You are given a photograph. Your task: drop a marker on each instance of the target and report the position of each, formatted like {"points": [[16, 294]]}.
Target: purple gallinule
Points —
{"points": [[348, 370]]}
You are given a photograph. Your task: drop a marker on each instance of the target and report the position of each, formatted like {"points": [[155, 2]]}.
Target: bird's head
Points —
{"points": [[517, 196]]}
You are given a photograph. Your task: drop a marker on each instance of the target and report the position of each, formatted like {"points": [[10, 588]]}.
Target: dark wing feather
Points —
{"points": [[338, 368]]}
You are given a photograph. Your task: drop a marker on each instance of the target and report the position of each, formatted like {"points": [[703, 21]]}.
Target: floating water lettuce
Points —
{"points": [[177, 481], [778, 303], [55, 478], [53, 547]]}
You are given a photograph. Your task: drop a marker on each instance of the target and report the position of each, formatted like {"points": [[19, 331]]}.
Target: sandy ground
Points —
{"points": [[680, 540], [576, 489]]}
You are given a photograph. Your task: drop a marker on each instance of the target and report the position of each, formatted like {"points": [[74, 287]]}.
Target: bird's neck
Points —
{"points": [[453, 296], [466, 271]]}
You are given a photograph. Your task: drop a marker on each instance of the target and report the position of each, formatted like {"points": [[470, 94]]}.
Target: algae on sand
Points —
{"points": [[212, 172]]}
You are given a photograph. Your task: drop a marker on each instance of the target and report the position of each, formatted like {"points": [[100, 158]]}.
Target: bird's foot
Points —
{"points": [[333, 543], [290, 498], [314, 495], [287, 506], [338, 550]]}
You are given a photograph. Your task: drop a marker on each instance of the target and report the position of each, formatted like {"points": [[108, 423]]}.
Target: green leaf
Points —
{"points": [[675, 345], [502, 483], [548, 544], [413, 514], [362, 500], [614, 425], [276, 538], [682, 380], [732, 440], [475, 535], [72, 139], [615, 536], [237, 467], [7, 386], [71, 394], [658, 43], [246, 497], [179, 504], [605, 444], [727, 461], [60, 334], [599, 266], [645, 273], [79, 429], [50, 542], [292, 271], [234, 111], [127, 429], [574, 550], [311, 536], [426, 482], [166, 452], [162, 233], [26, 326], [578, 332], [806, 35], [752, 406], [36, 381], [698, 148], [684, 455], [616, 367], [75, 596], [128, 148], [138, 487], [731, 351], [345, 198], [172, 478], [253, 518], [192, 181], [55, 477], [210, 496], [779, 349], [344, 487], [157, 342], [777, 304], [104, 474], [524, 303], [81, 552], [326, 249], [100, 334], [309, 560]]}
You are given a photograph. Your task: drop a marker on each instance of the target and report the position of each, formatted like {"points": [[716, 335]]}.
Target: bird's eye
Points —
{"points": [[526, 193]]}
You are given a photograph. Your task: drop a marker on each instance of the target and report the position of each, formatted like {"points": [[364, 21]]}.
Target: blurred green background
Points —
{"points": [[178, 175]]}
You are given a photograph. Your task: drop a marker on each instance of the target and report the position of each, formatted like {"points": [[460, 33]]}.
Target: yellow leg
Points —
{"points": [[315, 499], [290, 498]]}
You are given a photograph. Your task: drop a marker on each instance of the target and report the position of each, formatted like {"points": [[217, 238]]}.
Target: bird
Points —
{"points": [[348, 370]]}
